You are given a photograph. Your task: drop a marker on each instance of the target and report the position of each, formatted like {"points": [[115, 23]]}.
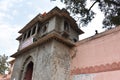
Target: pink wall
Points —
{"points": [[110, 75], [97, 57], [100, 49]]}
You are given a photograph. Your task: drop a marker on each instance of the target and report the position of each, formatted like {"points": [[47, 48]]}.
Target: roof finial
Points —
{"points": [[44, 14]]}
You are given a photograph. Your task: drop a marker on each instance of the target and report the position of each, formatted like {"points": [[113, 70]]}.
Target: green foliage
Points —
{"points": [[110, 9], [3, 64]]}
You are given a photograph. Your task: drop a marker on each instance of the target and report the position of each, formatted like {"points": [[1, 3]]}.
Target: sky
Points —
{"points": [[15, 14]]}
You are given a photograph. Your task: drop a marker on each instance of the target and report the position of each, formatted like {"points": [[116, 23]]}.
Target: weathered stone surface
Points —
{"points": [[51, 62], [45, 43]]}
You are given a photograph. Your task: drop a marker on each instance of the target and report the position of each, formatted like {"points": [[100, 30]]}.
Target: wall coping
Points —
{"points": [[99, 35]]}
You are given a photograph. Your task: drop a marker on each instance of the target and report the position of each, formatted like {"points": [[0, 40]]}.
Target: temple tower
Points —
{"points": [[44, 46]]}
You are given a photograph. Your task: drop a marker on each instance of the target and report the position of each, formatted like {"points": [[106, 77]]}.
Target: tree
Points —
{"points": [[110, 9], [3, 64]]}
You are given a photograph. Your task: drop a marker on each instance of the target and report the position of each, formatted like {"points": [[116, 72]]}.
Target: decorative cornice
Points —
{"points": [[53, 35], [18, 38], [98, 68]]}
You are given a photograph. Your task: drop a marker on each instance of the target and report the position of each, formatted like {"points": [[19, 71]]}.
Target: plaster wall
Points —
{"points": [[51, 25], [61, 59], [19, 63], [60, 28], [100, 49], [73, 34], [110, 75], [51, 62]]}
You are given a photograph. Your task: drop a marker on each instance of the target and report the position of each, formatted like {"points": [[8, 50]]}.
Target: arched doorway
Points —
{"points": [[29, 71]]}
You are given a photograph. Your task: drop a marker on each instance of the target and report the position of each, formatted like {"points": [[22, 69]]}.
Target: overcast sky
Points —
{"points": [[15, 14]]}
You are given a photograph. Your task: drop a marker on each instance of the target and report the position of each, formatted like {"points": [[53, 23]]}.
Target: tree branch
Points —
{"points": [[92, 5]]}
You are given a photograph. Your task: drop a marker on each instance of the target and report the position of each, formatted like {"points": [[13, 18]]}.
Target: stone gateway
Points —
{"points": [[44, 49], [49, 49]]}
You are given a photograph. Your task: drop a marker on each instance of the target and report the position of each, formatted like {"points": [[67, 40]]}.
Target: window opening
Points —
{"points": [[28, 33], [38, 30], [44, 28], [66, 26], [33, 31], [24, 36]]}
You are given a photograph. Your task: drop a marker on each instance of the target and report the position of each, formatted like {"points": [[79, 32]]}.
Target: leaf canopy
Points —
{"points": [[3, 64], [110, 9]]}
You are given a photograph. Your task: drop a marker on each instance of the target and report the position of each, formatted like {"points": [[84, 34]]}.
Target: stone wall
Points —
{"points": [[51, 62]]}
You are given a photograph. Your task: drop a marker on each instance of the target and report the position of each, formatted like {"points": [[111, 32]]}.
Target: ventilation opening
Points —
{"points": [[75, 40], [29, 71], [34, 39]]}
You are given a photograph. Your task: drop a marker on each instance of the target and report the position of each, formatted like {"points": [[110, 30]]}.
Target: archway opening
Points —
{"points": [[29, 71]]}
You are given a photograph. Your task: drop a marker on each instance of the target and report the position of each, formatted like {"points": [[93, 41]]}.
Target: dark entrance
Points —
{"points": [[29, 71]]}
